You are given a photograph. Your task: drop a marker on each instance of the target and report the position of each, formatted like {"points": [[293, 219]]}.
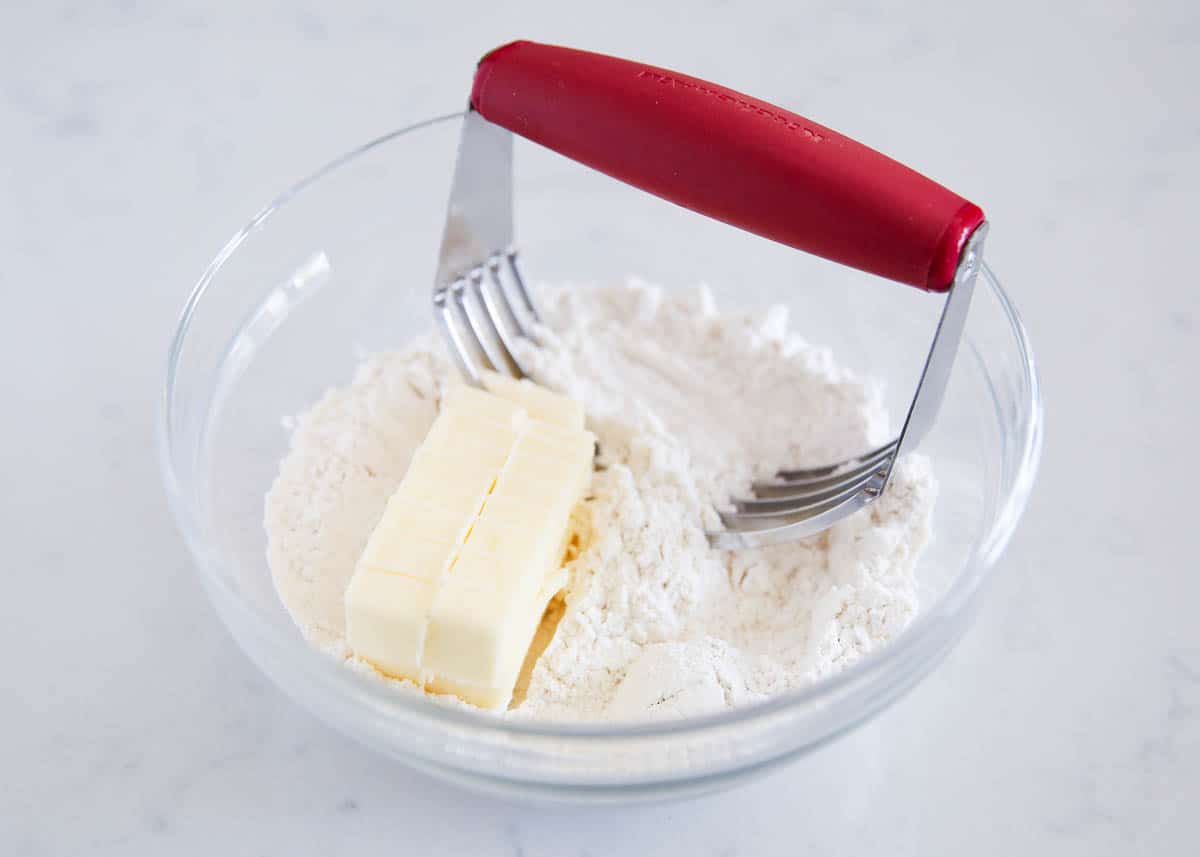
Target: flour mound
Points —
{"points": [[688, 405]]}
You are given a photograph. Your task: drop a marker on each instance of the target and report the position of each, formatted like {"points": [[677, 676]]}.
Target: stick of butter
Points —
{"points": [[423, 527], [488, 609], [542, 404], [454, 580]]}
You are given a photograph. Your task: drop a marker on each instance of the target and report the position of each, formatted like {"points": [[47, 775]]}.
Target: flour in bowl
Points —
{"points": [[688, 404]]}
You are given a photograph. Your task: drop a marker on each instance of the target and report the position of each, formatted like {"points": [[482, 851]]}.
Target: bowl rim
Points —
{"points": [[877, 664]]}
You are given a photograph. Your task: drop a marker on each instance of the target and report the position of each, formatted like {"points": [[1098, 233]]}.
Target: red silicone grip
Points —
{"points": [[731, 157]]}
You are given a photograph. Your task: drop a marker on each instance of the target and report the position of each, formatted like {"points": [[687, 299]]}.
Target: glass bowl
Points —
{"points": [[342, 265]]}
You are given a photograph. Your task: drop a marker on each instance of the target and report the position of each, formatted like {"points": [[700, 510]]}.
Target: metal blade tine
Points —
{"points": [[511, 320], [814, 473], [492, 340], [468, 323], [782, 490], [807, 497], [862, 493], [459, 350], [519, 282], [773, 531]]}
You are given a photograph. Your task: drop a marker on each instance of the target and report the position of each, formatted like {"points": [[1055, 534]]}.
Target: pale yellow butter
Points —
{"points": [[497, 695], [415, 538], [488, 608], [483, 617], [548, 454], [422, 529], [454, 580], [464, 400], [386, 617], [541, 403]]}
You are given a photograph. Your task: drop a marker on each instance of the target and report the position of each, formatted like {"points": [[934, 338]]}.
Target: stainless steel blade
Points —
{"points": [[935, 377], [479, 218]]}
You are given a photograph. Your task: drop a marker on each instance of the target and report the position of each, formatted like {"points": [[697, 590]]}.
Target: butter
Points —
{"points": [[461, 399], [486, 613], [415, 540], [452, 584], [423, 528], [386, 617], [547, 454], [542, 404]]}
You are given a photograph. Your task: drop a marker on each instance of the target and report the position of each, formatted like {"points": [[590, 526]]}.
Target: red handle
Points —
{"points": [[731, 157]]}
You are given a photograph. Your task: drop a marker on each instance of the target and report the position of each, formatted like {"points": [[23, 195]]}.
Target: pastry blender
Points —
{"points": [[726, 155]]}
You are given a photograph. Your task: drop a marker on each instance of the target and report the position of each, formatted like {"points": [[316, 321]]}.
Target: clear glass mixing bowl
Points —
{"points": [[342, 265]]}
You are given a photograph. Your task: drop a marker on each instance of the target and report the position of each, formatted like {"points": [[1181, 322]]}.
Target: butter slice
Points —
{"points": [[386, 616], [457, 574], [488, 608], [463, 399], [415, 540], [547, 453], [422, 530], [541, 403]]}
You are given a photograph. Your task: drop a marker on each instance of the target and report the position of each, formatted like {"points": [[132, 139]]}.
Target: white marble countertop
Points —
{"points": [[135, 138]]}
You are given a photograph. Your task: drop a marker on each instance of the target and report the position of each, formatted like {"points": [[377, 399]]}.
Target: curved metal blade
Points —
{"points": [[479, 217]]}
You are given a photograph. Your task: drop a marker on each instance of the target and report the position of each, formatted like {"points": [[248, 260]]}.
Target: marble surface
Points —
{"points": [[137, 136]]}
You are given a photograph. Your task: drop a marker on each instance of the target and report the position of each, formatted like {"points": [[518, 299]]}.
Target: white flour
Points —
{"points": [[688, 405]]}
